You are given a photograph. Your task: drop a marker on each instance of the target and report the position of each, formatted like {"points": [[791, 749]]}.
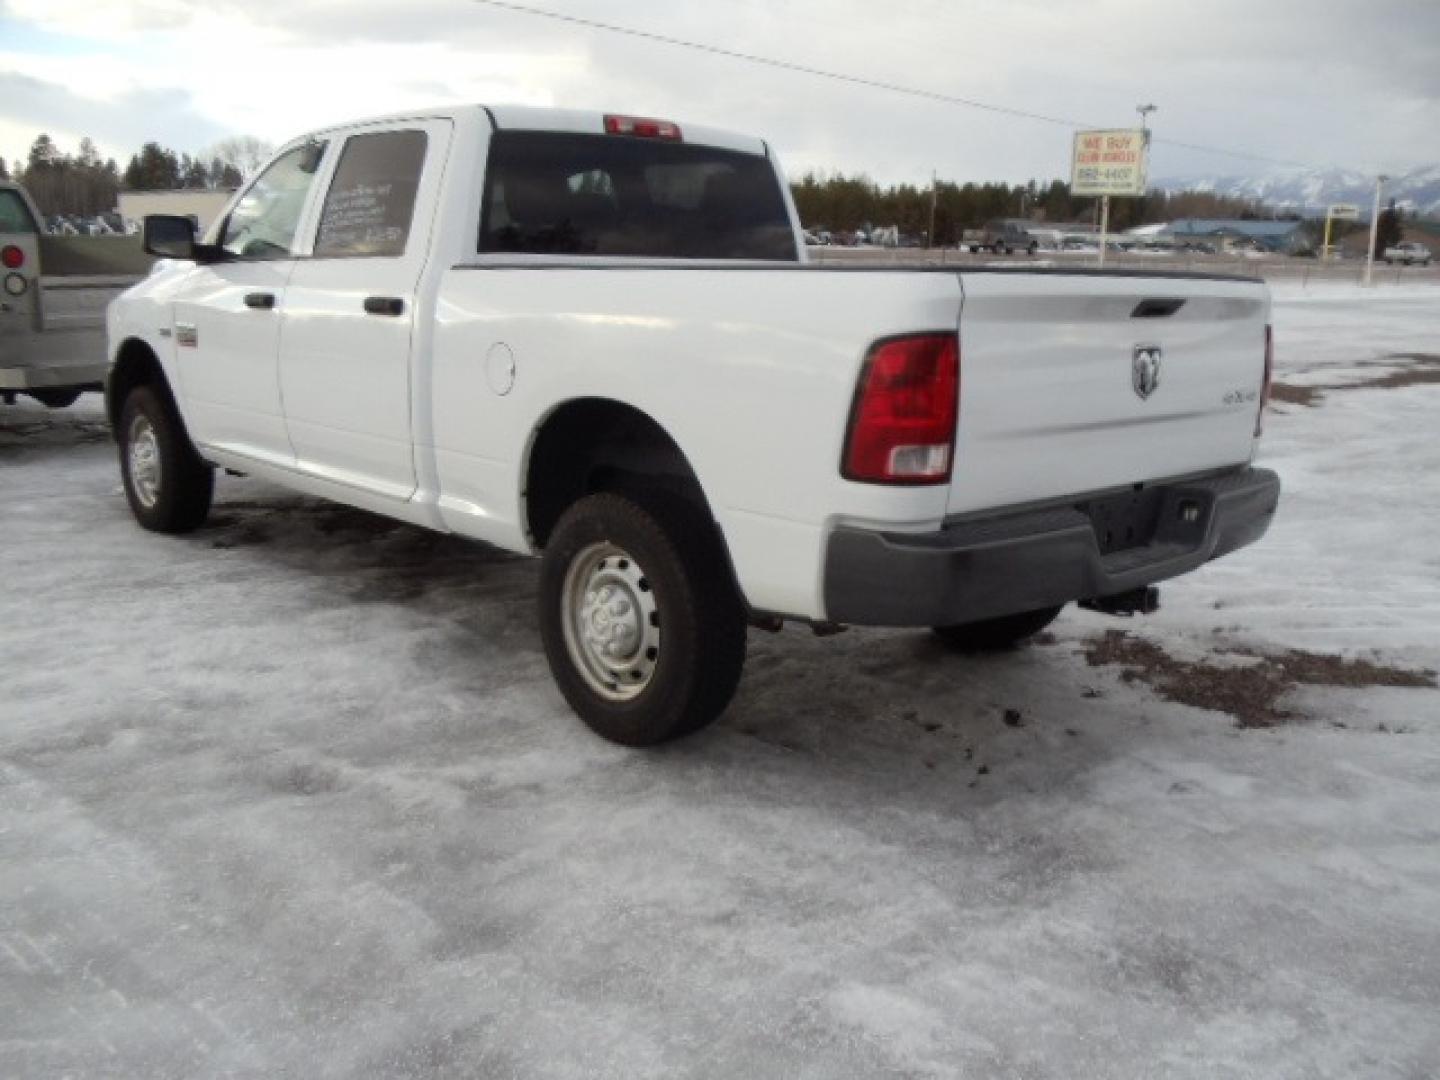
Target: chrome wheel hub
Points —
{"points": [[143, 460], [612, 624]]}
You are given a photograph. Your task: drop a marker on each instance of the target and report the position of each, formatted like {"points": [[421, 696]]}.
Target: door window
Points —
{"points": [[371, 201], [264, 223]]}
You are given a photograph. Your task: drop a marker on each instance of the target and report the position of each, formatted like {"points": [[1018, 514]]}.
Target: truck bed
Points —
{"points": [[752, 369]]}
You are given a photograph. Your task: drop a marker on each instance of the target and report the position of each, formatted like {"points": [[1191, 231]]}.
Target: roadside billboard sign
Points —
{"points": [[1345, 212], [1112, 162]]}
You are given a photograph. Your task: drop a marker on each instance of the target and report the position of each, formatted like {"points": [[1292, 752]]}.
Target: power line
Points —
{"points": [[856, 80]]}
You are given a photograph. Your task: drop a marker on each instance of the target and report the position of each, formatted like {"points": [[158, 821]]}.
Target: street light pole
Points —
{"points": [[1374, 229]]}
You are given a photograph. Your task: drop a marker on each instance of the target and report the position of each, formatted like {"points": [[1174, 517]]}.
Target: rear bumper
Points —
{"points": [[62, 357], [89, 376], [981, 568]]}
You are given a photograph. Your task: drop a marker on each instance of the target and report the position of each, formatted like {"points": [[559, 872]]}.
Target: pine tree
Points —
{"points": [[153, 169], [43, 153]]}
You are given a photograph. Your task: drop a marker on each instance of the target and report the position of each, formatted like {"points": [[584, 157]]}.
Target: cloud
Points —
{"points": [[1285, 79], [118, 125]]}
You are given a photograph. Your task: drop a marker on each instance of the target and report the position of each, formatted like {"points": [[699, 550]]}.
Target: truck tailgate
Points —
{"points": [[1074, 383]]}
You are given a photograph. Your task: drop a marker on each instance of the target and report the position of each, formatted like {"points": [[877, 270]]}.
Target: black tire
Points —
{"points": [[697, 613], [57, 397], [178, 500], [1000, 633]]}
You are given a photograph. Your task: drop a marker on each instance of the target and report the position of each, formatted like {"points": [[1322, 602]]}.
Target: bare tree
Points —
{"points": [[245, 153]]}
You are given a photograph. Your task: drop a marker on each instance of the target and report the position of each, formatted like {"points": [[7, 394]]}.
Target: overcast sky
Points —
{"points": [[1349, 83]]}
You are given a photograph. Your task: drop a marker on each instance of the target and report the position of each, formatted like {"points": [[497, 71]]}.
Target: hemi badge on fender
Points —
{"points": [[185, 334]]}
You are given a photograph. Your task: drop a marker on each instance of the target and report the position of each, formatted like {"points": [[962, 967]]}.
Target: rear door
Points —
{"points": [[349, 320], [1076, 383]]}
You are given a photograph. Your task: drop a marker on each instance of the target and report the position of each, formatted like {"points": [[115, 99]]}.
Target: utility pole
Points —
{"points": [[1144, 111], [1374, 229], [930, 236]]}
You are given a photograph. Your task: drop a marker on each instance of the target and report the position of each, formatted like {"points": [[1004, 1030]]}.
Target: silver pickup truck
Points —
{"points": [[53, 294]]}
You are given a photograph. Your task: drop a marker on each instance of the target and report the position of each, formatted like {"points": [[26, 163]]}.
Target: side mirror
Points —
{"points": [[169, 236]]}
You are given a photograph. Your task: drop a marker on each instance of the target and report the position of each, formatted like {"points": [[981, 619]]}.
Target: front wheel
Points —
{"points": [[643, 628], [166, 483], [1000, 633]]}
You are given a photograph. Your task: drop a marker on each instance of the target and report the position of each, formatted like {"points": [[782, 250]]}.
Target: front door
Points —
{"points": [[349, 319], [227, 316]]}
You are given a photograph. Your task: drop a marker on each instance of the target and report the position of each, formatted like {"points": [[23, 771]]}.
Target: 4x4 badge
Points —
{"points": [[1145, 370]]}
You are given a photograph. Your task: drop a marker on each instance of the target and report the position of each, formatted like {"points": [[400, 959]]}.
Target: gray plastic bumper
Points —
{"points": [[978, 569]]}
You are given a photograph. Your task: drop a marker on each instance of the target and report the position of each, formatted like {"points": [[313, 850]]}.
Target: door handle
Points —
{"points": [[261, 301], [384, 305]]}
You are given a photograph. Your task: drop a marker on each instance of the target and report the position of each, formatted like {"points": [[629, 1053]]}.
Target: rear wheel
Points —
{"points": [[1000, 633], [642, 625], [166, 483]]}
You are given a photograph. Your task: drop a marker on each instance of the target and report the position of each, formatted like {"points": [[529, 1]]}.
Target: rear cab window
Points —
{"points": [[563, 193]]}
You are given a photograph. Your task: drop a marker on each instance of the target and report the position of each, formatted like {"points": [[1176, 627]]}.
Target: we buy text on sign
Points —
{"points": [[1109, 162]]}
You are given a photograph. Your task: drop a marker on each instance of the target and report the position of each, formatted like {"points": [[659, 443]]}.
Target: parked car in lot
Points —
{"points": [[52, 307], [1408, 253], [1002, 237], [596, 338]]}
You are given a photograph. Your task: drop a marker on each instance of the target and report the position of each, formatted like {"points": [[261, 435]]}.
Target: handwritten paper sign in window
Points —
{"points": [[372, 198]]}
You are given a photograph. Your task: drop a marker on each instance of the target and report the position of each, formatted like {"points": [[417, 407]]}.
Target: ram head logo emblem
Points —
{"points": [[1145, 370]]}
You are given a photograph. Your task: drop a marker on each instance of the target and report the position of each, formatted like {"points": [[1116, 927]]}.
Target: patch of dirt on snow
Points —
{"points": [[1422, 368], [1250, 692], [1287, 394]]}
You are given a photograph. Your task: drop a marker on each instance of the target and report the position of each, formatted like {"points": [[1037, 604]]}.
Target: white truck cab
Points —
{"points": [[595, 338]]}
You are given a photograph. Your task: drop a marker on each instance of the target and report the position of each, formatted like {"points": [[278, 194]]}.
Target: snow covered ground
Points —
{"points": [[295, 796]]}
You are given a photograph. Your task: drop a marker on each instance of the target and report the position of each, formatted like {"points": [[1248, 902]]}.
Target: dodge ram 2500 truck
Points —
{"points": [[595, 337]]}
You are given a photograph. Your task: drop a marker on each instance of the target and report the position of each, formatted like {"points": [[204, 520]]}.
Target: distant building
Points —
{"points": [[1285, 237], [203, 206]]}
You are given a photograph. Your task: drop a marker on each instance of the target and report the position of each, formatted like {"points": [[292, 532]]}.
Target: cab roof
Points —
{"points": [[580, 121]]}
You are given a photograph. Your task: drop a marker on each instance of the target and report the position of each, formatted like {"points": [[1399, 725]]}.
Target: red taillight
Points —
{"points": [[642, 127], [13, 257], [1269, 374], [902, 426]]}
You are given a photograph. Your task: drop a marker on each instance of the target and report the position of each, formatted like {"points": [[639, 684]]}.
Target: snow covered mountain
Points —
{"points": [[1417, 190]]}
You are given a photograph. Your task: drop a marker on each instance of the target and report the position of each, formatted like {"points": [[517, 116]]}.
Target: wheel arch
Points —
{"points": [[135, 364], [587, 444]]}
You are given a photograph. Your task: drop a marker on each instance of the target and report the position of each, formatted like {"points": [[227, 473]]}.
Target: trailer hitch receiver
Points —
{"points": [[1144, 600]]}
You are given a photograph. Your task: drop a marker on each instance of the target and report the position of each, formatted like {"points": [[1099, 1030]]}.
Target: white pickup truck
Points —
{"points": [[596, 338], [1408, 253]]}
